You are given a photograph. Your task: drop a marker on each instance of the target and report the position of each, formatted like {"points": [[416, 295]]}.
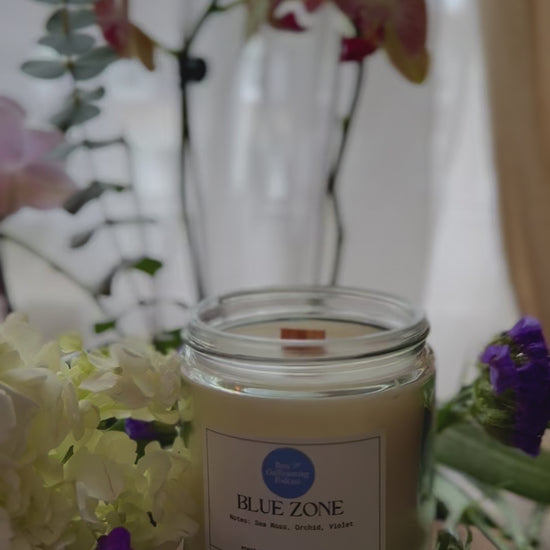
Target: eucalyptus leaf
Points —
{"points": [[82, 238], [62, 151], [74, 114], [65, 149], [91, 95], [96, 188], [94, 62], [148, 265], [100, 143], [468, 449], [131, 220], [69, 44], [44, 69], [104, 288], [65, 21]]}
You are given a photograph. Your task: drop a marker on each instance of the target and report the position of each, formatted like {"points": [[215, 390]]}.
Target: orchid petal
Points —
{"points": [[112, 17], [7, 103], [356, 49], [410, 20], [8, 204], [413, 67], [11, 132], [41, 142], [42, 185]]}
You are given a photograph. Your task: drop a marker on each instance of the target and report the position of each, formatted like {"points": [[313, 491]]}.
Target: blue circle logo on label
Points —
{"points": [[288, 472]]}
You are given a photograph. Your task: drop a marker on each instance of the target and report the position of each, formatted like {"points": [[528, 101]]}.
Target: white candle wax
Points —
{"points": [[304, 451]]}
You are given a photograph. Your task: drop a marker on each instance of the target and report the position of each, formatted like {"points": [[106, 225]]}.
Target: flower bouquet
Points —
{"points": [[92, 445], [94, 457]]}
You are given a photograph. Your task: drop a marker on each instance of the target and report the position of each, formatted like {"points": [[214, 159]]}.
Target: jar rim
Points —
{"points": [[402, 325]]}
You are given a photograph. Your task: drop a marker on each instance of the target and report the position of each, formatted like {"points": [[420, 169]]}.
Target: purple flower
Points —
{"points": [[502, 369], [117, 539], [140, 430], [527, 334], [517, 408]]}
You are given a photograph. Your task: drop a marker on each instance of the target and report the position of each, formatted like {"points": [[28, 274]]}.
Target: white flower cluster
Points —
{"points": [[64, 482]]}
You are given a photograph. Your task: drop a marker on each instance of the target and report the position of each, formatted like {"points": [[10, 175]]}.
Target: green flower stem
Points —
{"points": [[492, 536], [536, 523], [335, 172], [57, 267], [144, 235], [466, 448], [456, 409], [91, 144]]}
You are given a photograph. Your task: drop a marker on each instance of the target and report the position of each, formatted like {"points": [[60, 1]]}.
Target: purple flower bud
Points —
{"points": [[518, 367], [117, 539], [502, 370], [140, 430]]}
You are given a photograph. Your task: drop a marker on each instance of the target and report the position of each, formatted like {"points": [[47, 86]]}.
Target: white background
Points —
{"points": [[418, 186]]}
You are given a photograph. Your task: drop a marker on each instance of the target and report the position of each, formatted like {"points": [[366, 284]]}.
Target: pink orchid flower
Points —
{"points": [[127, 39], [27, 176], [398, 26]]}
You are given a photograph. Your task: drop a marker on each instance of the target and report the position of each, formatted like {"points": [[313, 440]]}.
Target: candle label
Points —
{"points": [[287, 494]]}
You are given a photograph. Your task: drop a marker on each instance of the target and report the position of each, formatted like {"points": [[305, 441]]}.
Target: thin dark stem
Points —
{"points": [[186, 149], [188, 40], [335, 172], [191, 237]]}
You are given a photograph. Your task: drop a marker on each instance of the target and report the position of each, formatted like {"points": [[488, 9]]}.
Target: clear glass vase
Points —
{"points": [[257, 198]]}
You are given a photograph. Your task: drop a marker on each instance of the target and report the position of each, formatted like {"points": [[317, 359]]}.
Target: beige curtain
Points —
{"points": [[516, 36]]}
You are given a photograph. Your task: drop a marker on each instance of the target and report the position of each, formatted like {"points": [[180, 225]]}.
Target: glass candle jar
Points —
{"points": [[312, 421]]}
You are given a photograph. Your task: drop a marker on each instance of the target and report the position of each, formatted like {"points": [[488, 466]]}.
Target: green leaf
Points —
{"points": [[68, 454], [447, 541], [82, 238], [100, 143], [91, 95], [62, 151], [65, 21], [94, 62], [148, 265], [468, 449], [68, 44], [186, 431], [96, 188], [105, 286], [44, 69], [169, 340], [65, 149], [104, 326], [74, 114]]}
